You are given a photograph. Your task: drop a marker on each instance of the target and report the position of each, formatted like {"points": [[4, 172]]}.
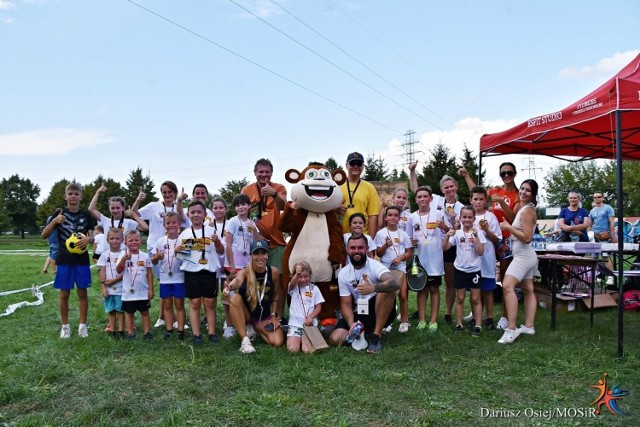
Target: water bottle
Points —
{"points": [[355, 333]]}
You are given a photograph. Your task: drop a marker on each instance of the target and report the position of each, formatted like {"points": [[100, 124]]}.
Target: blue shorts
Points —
{"points": [[113, 303], [175, 290], [67, 275], [53, 251], [488, 284]]}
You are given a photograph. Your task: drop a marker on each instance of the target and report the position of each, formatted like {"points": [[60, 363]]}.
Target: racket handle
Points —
{"points": [[414, 268]]}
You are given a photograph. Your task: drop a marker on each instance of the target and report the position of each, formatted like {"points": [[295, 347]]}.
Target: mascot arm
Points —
{"points": [[336, 238], [292, 220]]}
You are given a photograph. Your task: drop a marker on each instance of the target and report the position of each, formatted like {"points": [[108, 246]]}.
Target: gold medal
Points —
{"points": [[203, 261], [170, 273], [425, 242]]}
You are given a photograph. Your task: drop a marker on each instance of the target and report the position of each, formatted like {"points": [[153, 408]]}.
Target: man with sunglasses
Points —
{"points": [[359, 196]]}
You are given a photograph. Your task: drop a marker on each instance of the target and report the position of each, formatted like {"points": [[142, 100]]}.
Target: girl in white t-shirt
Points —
{"points": [[400, 199], [306, 304], [356, 226], [469, 249]]}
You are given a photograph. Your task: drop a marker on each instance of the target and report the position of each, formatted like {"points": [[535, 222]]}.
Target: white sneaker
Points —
{"points": [[246, 347], [229, 332], [468, 318], [526, 330], [387, 329], [509, 336], [609, 280], [83, 332], [65, 332], [159, 324], [502, 324], [251, 333], [404, 327]]}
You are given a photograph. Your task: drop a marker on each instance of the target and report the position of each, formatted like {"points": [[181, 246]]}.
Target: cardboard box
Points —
{"points": [[564, 303], [600, 301]]}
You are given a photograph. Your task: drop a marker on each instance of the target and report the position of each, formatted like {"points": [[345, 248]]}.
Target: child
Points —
{"points": [[100, 243], [400, 198], [137, 284], [111, 282], [241, 231], [54, 245], [394, 249], [170, 276], [200, 265], [72, 267], [306, 304], [426, 228], [200, 192], [219, 224], [117, 211], [488, 223], [356, 226], [469, 248]]}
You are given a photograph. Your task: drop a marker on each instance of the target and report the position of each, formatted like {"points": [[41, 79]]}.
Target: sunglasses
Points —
{"points": [[507, 173], [597, 197], [355, 163]]}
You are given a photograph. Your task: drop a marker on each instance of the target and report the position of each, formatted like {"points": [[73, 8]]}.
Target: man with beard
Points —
{"points": [[367, 297]]}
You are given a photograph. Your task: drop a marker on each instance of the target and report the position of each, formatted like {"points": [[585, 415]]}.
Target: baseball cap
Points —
{"points": [[355, 156], [257, 245]]}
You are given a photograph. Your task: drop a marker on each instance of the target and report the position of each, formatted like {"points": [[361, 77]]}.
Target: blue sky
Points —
{"points": [[102, 87]]}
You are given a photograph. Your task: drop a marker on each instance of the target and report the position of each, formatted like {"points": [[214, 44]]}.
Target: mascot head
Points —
{"points": [[315, 189]]}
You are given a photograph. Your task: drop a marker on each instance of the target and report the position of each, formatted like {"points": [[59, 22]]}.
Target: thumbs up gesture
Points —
{"points": [[365, 287]]}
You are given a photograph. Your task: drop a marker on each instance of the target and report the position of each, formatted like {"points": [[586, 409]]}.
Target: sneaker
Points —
{"points": [[120, 335], [526, 330], [503, 323], [374, 345], [175, 325], [65, 332], [83, 332], [131, 337], [509, 336], [213, 338], [609, 280], [459, 329], [181, 335], [246, 347], [422, 325], [229, 332], [147, 336], [168, 335], [490, 325], [433, 327], [477, 331], [447, 319], [251, 333], [404, 327], [468, 318], [197, 340], [387, 330], [160, 323]]}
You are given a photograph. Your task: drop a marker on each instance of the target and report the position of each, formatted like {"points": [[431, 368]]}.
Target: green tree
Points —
{"points": [[470, 162], [5, 221], [113, 189], [375, 169], [54, 200], [230, 190], [135, 182], [441, 163], [583, 177], [331, 164], [19, 201]]}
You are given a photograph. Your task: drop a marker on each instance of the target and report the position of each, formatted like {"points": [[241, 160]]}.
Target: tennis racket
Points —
{"points": [[416, 275]]}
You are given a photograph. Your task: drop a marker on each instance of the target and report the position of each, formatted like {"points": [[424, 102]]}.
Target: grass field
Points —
{"points": [[417, 379]]}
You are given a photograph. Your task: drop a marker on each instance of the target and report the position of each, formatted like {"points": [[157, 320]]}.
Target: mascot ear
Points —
{"points": [[292, 176], [339, 176]]}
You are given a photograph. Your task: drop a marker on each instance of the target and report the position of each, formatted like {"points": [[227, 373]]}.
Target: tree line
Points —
{"points": [[21, 213]]}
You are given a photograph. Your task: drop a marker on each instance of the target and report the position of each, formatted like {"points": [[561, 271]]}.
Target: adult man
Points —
{"points": [[602, 223], [359, 196], [367, 295], [267, 201]]}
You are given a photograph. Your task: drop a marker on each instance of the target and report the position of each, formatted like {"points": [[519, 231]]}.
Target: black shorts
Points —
{"points": [[200, 284], [138, 305], [464, 280], [449, 255], [434, 280], [369, 321]]}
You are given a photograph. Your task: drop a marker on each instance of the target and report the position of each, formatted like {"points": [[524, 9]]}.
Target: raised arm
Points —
{"points": [[463, 172], [93, 206]]}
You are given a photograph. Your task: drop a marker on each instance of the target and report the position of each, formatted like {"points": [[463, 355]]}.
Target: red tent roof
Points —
{"points": [[585, 129]]}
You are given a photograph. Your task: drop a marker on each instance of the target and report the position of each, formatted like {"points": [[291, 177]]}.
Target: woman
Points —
{"points": [[257, 292], [523, 265], [574, 219]]}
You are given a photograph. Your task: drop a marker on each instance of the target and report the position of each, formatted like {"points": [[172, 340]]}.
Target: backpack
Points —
{"points": [[631, 300]]}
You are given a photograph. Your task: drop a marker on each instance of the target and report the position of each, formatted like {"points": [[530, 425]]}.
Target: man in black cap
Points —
{"points": [[359, 196]]}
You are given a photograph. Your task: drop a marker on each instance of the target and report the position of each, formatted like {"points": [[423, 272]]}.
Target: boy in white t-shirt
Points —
{"points": [[111, 282], [241, 231]]}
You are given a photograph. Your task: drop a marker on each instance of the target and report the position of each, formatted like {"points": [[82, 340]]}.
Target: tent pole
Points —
{"points": [[479, 169], [618, 121]]}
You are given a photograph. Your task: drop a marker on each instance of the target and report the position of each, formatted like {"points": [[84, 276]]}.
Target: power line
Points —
{"points": [[361, 63], [182, 27], [336, 65]]}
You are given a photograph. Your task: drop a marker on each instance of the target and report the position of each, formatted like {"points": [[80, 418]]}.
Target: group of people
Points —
{"points": [[195, 252]]}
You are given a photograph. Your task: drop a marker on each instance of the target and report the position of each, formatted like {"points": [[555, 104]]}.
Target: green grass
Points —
{"points": [[417, 379]]}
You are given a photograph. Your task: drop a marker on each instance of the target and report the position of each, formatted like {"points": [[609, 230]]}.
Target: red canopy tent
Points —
{"points": [[605, 124]]}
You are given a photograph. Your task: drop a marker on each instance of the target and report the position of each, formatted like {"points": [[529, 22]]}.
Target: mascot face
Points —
{"points": [[315, 188]]}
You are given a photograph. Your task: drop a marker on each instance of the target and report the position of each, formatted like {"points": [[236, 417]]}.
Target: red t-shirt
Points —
{"points": [[510, 197]]}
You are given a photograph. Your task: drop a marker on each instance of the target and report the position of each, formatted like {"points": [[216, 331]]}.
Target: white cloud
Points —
{"points": [[8, 21], [6, 5], [262, 8], [604, 67], [51, 142]]}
